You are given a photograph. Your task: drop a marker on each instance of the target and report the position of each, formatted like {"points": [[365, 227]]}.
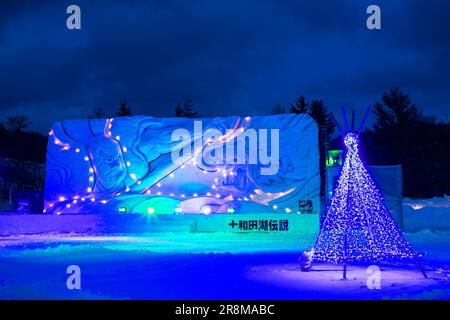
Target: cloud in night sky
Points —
{"points": [[231, 57]]}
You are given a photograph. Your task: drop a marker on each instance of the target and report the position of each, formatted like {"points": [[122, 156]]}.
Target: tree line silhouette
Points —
{"points": [[400, 134]]}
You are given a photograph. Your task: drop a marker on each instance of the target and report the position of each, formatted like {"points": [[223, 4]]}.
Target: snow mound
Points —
{"points": [[422, 214]]}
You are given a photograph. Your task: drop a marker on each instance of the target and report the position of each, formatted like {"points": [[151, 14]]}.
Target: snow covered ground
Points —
{"points": [[206, 266], [213, 266]]}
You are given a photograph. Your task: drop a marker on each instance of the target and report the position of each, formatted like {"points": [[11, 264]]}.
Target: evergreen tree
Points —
{"points": [[179, 110], [319, 112], [278, 109], [395, 111], [325, 125], [124, 110], [300, 106], [97, 113], [402, 135], [186, 110], [17, 123]]}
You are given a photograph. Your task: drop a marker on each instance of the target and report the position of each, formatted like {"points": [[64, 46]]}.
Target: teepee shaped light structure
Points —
{"points": [[358, 226]]}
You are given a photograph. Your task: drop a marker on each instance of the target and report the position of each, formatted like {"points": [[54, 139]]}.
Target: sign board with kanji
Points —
{"points": [[242, 224], [282, 223]]}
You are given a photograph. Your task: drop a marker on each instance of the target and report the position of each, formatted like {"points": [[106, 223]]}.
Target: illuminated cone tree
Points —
{"points": [[358, 226]]}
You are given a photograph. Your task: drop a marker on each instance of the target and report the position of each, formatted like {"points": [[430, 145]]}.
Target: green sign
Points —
{"points": [[334, 158]]}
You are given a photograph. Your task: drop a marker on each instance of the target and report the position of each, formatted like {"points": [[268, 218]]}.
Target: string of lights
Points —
{"points": [[68, 204], [358, 226]]}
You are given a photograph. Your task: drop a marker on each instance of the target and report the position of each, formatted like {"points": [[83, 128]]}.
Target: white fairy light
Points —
{"points": [[206, 210], [357, 210]]}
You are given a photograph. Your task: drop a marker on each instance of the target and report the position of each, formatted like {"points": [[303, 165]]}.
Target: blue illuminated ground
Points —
{"points": [[205, 266]]}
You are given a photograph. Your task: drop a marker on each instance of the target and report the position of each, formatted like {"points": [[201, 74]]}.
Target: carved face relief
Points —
{"points": [[108, 163]]}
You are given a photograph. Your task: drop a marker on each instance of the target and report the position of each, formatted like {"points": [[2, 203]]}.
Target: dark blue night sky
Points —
{"points": [[231, 57]]}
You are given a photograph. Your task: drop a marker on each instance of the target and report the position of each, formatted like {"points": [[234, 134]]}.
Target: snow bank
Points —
{"points": [[135, 224], [422, 214]]}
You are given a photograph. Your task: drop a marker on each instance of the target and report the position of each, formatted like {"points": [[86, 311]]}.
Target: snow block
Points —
{"points": [[112, 224], [146, 165]]}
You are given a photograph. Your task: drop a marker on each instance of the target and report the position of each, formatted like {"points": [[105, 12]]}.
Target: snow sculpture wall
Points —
{"points": [[127, 165]]}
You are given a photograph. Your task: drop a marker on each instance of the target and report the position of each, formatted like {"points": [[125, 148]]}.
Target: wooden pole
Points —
{"points": [[363, 122], [344, 273], [336, 123], [353, 119], [344, 116], [420, 266]]}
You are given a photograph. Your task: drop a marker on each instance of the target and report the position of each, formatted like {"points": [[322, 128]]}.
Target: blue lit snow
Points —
{"points": [[205, 266]]}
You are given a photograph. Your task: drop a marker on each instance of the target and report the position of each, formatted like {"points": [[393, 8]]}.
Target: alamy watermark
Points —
{"points": [[73, 21], [373, 22], [74, 279], [234, 146]]}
